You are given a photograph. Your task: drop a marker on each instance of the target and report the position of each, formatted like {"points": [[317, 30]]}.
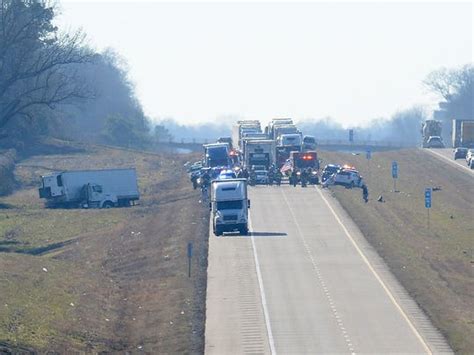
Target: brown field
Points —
{"points": [[103, 280], [435, 265]]}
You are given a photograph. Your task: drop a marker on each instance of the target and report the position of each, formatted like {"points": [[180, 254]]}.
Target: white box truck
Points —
{"points": [[90, 188], [229, 206], [259, 152]]}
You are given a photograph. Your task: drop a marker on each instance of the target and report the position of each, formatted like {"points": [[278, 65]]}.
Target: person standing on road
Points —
{"points": [[365, 193]]}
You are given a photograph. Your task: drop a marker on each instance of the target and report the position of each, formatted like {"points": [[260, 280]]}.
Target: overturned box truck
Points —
{"points": [[229, 206], [90, 188]]}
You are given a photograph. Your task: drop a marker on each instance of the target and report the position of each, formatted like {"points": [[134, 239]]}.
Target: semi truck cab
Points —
{"points": [[229, 206]]}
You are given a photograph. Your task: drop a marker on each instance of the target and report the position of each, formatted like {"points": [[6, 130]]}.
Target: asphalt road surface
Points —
{"points": [[446, 155], [307, 282]]}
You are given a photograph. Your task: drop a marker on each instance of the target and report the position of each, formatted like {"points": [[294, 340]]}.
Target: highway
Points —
{"points": [[446, 155], [307, 282]]}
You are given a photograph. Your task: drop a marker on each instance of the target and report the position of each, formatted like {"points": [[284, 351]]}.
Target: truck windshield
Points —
{"points": [[230, 205]]}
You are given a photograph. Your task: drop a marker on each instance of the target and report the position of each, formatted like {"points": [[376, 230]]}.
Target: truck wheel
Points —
{"points": [[107, 204], [217, 231], [244, 231]]}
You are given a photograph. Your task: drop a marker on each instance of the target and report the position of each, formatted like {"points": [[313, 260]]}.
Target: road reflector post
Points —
{"points": [[394, 175], [428, 193], [190, 255]]}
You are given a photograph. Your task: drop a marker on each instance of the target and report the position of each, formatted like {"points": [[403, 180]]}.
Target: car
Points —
{"points": [[435, 142], [460, 153], [261, 177], [329, 170], [469, 155], [227, 174], [348, 178]]}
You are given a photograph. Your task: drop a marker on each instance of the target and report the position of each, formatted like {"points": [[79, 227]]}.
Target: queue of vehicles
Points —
{"points": [[255, 156]]}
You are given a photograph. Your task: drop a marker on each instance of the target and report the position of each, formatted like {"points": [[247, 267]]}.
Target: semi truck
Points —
{"points": [[90, 188], [278, 130], [270, 129], [287, 143], [430, 129], [463, 133], [229, 206], [309, 143], [244, 127], [259, 152], [216, 154]]}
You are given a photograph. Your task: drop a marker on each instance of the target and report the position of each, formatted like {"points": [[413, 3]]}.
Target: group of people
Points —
{"points": [[303, 176]]}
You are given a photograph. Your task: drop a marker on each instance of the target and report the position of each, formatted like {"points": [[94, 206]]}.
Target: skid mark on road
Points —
{"points": [[322, 283]]}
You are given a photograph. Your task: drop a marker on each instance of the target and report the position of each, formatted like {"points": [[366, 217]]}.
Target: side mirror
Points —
{"points": [[248, 203]]}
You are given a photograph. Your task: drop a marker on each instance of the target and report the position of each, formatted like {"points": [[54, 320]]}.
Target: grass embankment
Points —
{"points": [[103, 280], [436, 266]]}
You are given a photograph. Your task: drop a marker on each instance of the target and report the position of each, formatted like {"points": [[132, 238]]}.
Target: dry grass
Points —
{"points": [[115, 280], [436, 266]]}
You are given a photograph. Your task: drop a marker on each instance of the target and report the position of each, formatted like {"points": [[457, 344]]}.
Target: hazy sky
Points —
{"points": [[352, 61]]}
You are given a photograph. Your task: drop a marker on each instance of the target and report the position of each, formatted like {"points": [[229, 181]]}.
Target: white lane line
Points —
{"points": [[362, 255], [459, 166], [338, 319], [263, 298]]}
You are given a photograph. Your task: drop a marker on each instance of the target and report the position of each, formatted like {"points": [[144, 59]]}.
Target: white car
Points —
{"points": [[349, 178]]}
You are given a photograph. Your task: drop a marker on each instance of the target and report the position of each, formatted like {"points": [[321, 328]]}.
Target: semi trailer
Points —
{"points": [[90, 188]]}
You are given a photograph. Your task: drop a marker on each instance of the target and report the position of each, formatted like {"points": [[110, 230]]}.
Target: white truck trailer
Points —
{"points": [[259, 152], [229, 206], [270, 129], [242, 128], [463, 133], [278, 130], [90, 188]]}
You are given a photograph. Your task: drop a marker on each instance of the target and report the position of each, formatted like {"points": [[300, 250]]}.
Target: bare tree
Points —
{"points": [[37, 64], [456, 87]]}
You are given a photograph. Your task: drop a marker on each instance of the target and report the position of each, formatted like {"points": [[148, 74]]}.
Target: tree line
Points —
{"points": [[52, 83]]}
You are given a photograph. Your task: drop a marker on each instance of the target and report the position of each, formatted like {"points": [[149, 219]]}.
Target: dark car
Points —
{"points": [[329, 170], [460, 153]]}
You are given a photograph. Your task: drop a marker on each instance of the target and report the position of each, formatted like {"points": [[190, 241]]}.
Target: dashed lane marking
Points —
{"points": [[319, 277], [387, 291]]}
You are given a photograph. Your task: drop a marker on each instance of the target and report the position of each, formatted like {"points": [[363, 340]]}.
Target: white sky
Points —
{"points": [[352, 61]]}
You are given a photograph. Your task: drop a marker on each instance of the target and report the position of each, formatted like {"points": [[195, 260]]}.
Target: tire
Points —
{"points": [[217, 231], [244, 231], [352, 185], [108, 204]]}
